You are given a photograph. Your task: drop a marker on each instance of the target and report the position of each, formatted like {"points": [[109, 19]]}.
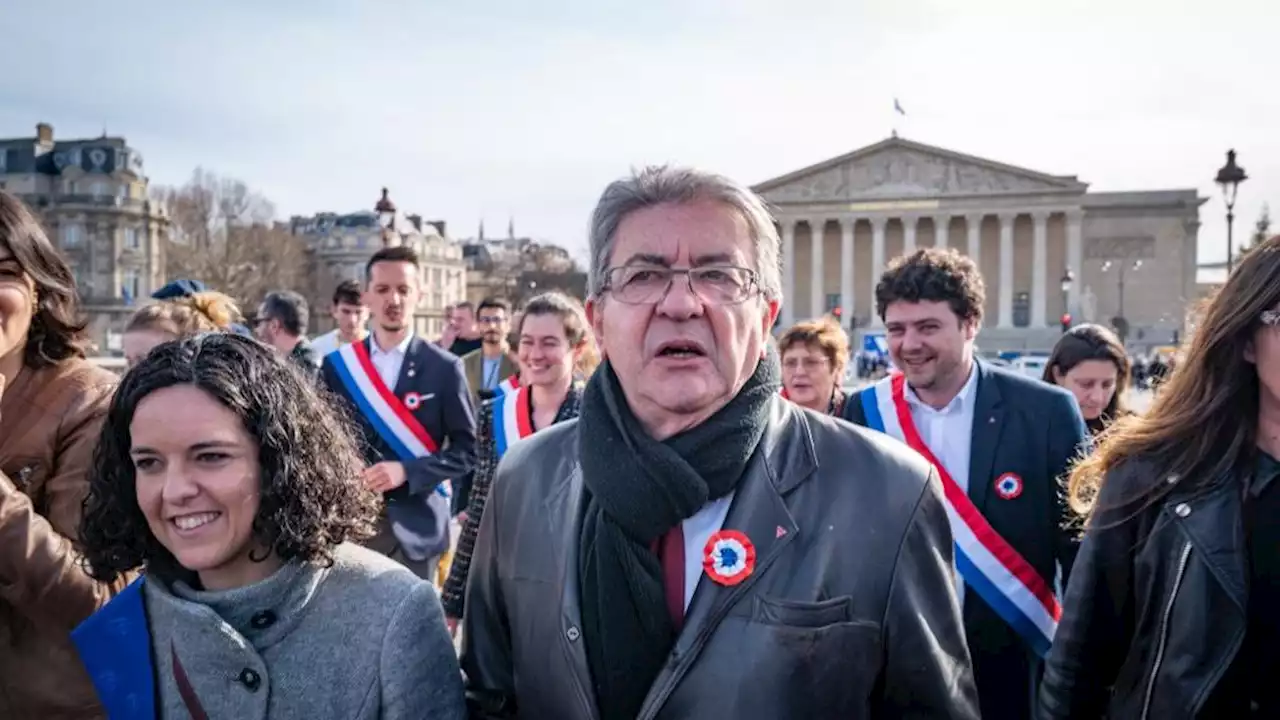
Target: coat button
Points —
{"points": [[262, 620], [1182, 510], [573, 634], [250, 679]]}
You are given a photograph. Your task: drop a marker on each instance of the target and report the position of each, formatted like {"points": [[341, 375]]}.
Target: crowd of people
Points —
{"points": [[641, 506]]}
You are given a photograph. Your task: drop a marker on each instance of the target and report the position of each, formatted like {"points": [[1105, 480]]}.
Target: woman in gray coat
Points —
{"points": [[223, 473]]}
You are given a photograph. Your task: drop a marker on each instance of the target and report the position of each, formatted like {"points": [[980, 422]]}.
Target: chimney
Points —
{"points": [[439, 226], [415, 221], [44, 137]]}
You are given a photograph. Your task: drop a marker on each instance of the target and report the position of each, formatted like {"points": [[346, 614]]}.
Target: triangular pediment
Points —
{"points": [[901, 169]]}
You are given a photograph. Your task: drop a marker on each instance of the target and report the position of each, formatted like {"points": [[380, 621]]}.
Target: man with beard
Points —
{"points": [[412, 402], [1000, 442], [488, 367], [695, 546]]}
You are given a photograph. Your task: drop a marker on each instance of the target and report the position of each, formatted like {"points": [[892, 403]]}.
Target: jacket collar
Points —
{"points": [[784, 459], [988, 422]]}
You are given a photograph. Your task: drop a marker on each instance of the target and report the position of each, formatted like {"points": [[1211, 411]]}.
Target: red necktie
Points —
{"points": [[672, 555]]}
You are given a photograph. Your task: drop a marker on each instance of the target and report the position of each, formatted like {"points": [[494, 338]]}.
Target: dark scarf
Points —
{"points": [[636, 490]]}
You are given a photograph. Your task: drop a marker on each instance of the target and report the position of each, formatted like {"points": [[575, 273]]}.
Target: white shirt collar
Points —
{"points": [[400, 349], [963, 399]]}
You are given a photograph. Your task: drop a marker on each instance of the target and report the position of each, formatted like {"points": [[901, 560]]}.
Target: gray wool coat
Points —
{"points": [[364, 639]]}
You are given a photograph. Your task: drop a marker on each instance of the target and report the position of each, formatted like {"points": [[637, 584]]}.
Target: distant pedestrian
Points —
{"points": [[814, 354], [180, 316], [281, 322], [350, 314], [1090, 361]]}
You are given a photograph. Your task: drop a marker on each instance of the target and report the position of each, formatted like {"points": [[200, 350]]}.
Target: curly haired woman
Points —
{"points": [[228, 478]]}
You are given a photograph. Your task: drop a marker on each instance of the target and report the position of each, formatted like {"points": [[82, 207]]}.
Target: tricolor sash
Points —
{"points": [[512, 419], [506, 386], [986, 561], [385, 413], [114, 645]]}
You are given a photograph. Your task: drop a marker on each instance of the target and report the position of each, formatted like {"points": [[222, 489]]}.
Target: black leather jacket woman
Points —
{"points": [[1156, 609]]}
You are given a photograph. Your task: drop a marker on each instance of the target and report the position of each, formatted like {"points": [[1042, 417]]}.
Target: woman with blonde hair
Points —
{"points": [[555, 350], [175, 319], [814, 354], [1170, 611]]}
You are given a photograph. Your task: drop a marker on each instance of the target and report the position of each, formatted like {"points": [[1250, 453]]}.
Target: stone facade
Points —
{"points": [[1130, 255], [339, 247], [92, 196]]}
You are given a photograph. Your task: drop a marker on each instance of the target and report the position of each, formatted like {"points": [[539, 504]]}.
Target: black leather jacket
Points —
{"points": [[1155, 611], [850, 612]]}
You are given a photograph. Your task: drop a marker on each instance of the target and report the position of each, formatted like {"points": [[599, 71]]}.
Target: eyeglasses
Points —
{"points": [[490, 319], [713, 284]]}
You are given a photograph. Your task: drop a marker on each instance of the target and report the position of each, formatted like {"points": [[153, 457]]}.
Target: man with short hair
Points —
{"points": [[1000, 442], [412, 402], [491, 365], [349, 315], [694, 546], [281, 322], [461, 335]]}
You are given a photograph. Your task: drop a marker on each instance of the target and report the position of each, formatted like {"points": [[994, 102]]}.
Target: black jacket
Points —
{"points": [[1155, 611], [1024, 426], [850, 612]]}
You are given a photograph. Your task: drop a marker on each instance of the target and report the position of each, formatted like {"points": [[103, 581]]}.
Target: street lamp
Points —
{"points": [[1068, 279], [386, 217], [1120, 279], [1229, 178]]}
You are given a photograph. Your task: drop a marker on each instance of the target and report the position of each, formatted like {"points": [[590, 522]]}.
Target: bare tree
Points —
{"points": [[224, 235]]}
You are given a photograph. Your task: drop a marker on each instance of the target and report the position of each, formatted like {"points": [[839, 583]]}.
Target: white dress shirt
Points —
{"points": [[948, 433], [325, 344], [697, 530], [388, 362]]}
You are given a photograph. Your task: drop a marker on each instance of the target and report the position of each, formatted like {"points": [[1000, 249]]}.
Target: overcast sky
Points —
{"points": [[526, 109]]}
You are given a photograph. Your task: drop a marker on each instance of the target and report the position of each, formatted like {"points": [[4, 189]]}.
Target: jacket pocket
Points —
{"points": [[803, 614]]}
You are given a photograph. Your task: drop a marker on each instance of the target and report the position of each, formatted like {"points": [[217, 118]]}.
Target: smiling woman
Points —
{"points": [[51, 404], [232, 482]]}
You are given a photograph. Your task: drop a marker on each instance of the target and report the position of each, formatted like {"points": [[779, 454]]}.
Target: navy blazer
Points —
{"points": [[1025, 426], [446, 414]]}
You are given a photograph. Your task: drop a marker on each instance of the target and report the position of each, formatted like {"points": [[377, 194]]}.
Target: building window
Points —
{"points": [[72, 235], [132, 286], [131, 238], [84, 282], [71, 187], [99, 189]]}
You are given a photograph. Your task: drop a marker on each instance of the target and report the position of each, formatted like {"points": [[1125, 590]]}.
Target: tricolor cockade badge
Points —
{"points": [[729, 557], [1008, 486]]}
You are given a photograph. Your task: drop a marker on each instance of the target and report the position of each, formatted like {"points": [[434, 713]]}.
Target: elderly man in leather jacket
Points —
{"points": [[694, 546]]}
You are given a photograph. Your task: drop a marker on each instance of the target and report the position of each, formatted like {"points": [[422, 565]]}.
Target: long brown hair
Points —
{"points": [[1203, 424], [58, 330], [1092, 342]]}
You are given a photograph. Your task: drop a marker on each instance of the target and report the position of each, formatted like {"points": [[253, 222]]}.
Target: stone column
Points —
{"points": [[941, 230], [909, 223], [1075, 258], [973, 225], [788, 271], [1039, 257], [877, 264], [1006, 270], [847, 304], [816, 294]]}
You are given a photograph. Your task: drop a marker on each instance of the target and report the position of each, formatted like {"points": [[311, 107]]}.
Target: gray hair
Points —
{"points": [[655, 185]]}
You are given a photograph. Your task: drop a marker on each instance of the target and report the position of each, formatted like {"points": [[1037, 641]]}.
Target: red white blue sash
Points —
{"points": [[385, 413], [512, 419], [988, 563], [507, 385]]}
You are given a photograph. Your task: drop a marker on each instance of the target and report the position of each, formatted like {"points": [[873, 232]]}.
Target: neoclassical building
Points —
{"points": [[1130, 255]]}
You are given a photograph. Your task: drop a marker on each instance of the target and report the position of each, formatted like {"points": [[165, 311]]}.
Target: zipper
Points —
{"points": [[1164, 628]]}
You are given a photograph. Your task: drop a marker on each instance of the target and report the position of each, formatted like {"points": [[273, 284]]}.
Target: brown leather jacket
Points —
{"points": [[49, 423]]}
